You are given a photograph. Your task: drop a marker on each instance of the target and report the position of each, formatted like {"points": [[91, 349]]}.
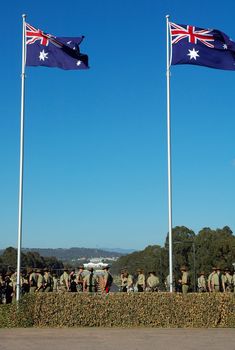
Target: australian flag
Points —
{"points": [[203, 47], [47, 50]]}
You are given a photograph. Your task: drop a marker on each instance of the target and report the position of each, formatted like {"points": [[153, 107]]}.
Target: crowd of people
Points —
{"points": [[45, 281], [217, 281], [81, 280]]}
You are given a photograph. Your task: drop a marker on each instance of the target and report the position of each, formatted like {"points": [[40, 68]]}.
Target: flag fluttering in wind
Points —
{"points": [[47, 50], [204, 47]]}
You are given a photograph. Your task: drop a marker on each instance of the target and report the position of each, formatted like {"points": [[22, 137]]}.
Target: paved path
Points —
{"points": [[116, 339]]}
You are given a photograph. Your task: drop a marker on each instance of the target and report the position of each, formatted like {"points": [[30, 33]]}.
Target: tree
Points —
{"points": [[9, 257], [199, 252], [183, 240], [214, 248], [8, 260]]}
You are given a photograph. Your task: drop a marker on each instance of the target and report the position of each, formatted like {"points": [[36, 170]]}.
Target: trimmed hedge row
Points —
{"points": [[21, 315], [121, 310]]}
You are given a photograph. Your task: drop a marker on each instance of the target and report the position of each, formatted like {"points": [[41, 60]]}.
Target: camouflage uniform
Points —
{"points": [[140, 281], [217, 282], [55, 283], [13, 283], [33, 282], [152, 282], [79, 279], [201, 283], [64, 281], [130, 283], [228, 281], [209, 281], [24, 282], [184, 280], [48, 281], [40, 282]]}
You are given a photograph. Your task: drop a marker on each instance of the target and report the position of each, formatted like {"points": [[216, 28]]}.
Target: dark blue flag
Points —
{"points": [[47, 50], [203, 47]]}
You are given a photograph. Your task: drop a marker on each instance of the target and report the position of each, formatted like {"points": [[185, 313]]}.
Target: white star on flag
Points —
{"points": [[225, 46], [43, 55], [193, 54], [78, 63]]}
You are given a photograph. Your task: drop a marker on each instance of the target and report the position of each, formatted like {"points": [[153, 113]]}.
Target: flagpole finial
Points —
{"points": [[24, 16], [167, 16]]}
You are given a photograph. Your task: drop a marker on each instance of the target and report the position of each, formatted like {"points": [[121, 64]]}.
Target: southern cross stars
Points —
{"points": [[193, 54], [43, 55]]}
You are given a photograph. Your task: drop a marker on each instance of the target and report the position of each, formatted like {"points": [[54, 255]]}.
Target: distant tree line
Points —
{"points": [[8, 260], [199, 252]]}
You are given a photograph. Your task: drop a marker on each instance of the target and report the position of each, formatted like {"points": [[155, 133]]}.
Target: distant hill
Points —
{"points": [[119, 250], [73, 253]]}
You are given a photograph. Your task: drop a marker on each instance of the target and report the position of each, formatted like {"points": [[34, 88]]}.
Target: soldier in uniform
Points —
{"points": [[24, 281], [217, 281], [13, 278], [90, 282], [228, 280], [201, 283], [40, 281], [184, 281], [209, 282], [152, 282], [48, 281], [64, 281], [130, 283], [140, 284], [32, 281], [55, 282], [80, 277]]}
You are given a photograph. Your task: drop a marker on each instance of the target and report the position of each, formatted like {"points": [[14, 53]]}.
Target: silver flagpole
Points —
{"points": [[169, 154], [21, 163]]}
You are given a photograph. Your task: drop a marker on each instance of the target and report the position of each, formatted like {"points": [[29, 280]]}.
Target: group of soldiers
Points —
{"points": [[81, 280], [217, 281], [139, 283], [38, 281]]}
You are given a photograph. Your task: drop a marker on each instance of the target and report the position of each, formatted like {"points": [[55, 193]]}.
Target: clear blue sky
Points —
{"points": [[95, 141]]}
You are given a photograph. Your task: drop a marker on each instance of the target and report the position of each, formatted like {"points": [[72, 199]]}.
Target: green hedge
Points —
{"points": [[21, 315], [121, 310]]}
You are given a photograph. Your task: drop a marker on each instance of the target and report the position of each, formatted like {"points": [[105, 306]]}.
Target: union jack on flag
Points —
{"points": [[193, 35], [204, 47], [32, 35], [44, 49]]}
